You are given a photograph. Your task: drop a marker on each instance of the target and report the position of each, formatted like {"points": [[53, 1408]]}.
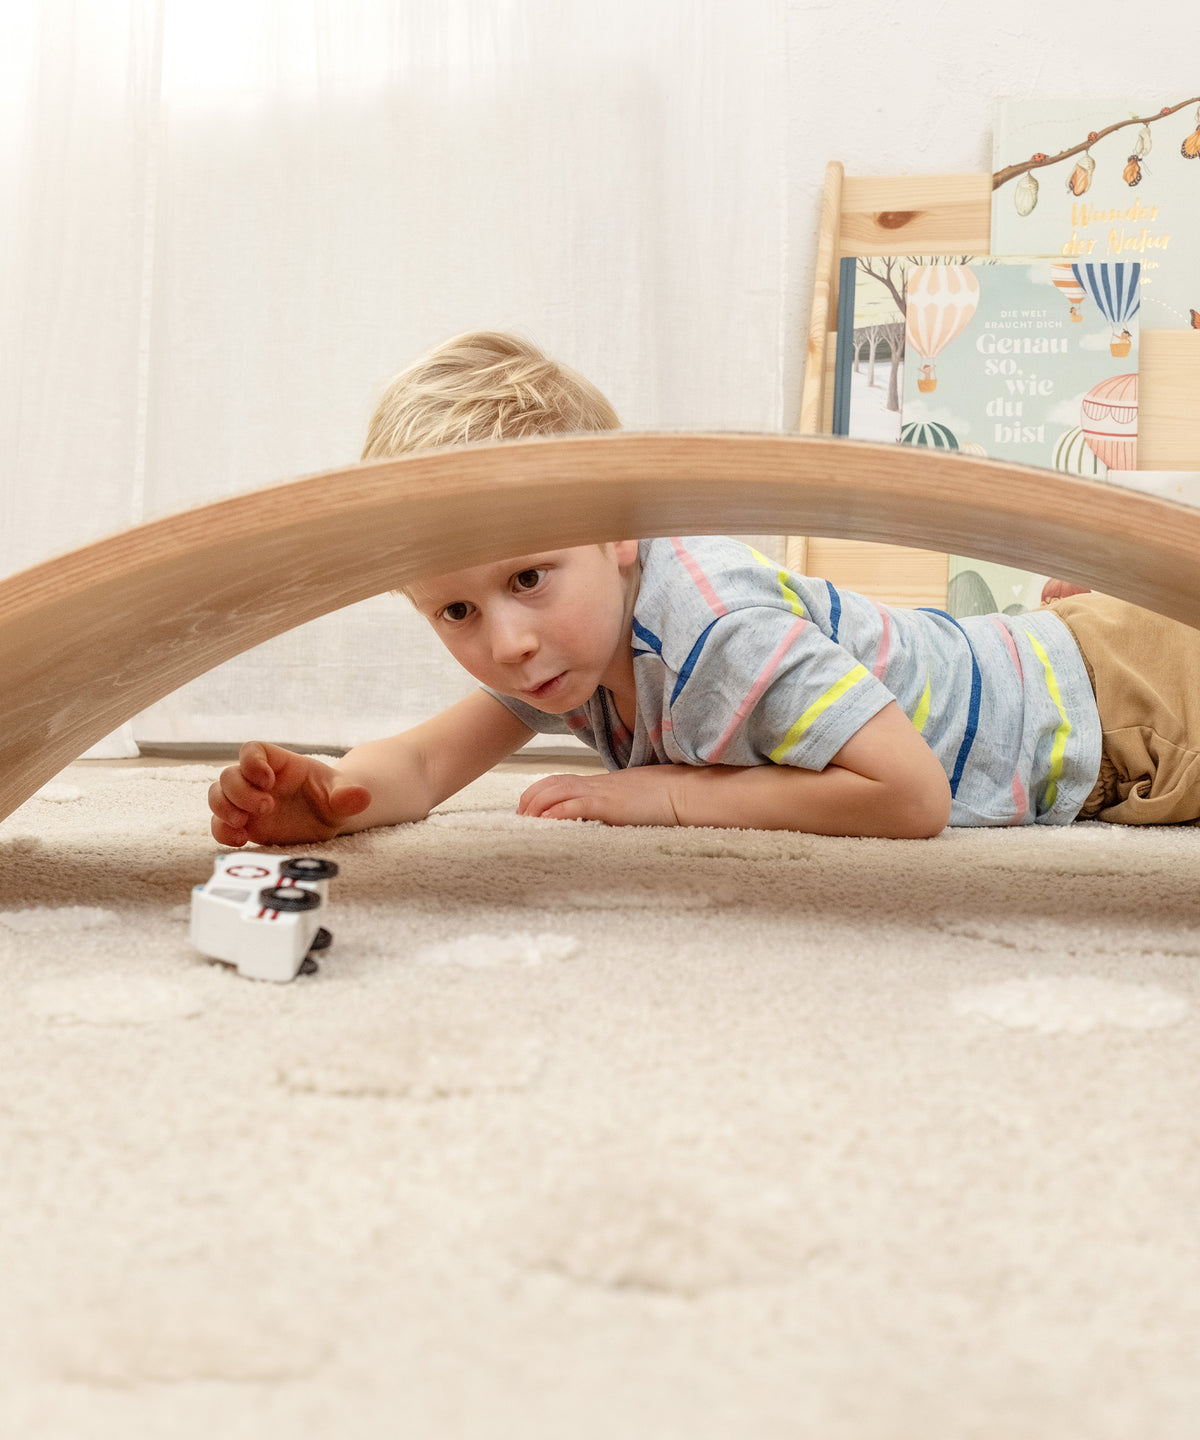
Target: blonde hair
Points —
{"points": [[483, 386]]}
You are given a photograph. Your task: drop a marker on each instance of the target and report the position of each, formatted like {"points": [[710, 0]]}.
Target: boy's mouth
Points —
{"points": [[547, 688]]}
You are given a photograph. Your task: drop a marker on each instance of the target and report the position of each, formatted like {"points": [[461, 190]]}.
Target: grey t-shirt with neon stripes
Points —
{"points": [[739, 662]]}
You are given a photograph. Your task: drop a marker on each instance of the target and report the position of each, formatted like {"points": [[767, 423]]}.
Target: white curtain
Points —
{"points": [[225, 223]]}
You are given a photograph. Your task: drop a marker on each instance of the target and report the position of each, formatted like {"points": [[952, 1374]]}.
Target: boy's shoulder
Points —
{"points": [[690, 582], [721, 559], [700, 575]]}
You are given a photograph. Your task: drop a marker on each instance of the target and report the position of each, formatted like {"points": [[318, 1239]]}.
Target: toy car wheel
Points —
{"points": [[322, 940], [288, 897], [308, 966], [308, 867]]}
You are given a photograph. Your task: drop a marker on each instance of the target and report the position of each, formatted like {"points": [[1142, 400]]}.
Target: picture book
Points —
{"points": [[867, 385], [1033, 362], [869, 393], [1099, 181], [868, 382]]}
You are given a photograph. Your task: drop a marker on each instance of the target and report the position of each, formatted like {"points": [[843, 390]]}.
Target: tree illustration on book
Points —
{"points": [[873, 327]]}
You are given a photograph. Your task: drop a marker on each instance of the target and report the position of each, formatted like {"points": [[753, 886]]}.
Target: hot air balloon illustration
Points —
{"points": [[1117, 292], [1109, 421], [940, 300], [1074, 456], [1063, 276], [973, 447], [928, 432]]}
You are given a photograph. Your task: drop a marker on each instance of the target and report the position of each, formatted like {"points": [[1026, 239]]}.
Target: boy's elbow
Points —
{"points": [[926, 810]]}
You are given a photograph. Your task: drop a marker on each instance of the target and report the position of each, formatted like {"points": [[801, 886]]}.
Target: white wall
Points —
{"points": [[224, 223], [908, 89]]}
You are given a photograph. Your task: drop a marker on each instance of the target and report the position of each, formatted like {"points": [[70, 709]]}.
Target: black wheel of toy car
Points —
{"points": [[308, 867], [322, 940], [308, 966], [288, 897]]}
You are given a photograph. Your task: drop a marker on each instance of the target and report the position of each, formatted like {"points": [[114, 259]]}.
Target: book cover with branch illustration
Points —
{"points": [[1096, 181], [1033, 361]]}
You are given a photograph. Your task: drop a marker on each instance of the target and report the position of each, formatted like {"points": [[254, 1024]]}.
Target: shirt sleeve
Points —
{"points": [[537, 720], [763, 685]]}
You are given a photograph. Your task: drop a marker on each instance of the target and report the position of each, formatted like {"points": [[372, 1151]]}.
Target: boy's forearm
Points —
{"points": [[885, 781], [392, 771], [408, 774], [833, 801]]}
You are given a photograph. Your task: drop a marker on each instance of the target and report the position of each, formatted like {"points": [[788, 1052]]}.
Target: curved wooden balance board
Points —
{"points": [[90, 638]]}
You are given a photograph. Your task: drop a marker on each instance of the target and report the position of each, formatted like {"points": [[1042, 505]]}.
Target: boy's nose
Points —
{"points": [[513, 638]]}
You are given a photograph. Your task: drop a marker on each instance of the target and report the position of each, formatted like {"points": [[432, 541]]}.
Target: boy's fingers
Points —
{"points": [[259, 762], [225, 834], [547, 782], [1061, 590], [235, 790], [548, 792], [332, 806], [224, 808], [579, 808], [349, 800]]}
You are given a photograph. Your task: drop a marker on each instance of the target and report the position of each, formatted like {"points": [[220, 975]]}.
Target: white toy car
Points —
{"points": [[261, 913]]}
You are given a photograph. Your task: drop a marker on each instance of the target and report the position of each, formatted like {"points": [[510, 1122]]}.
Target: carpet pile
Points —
{"points": [[600, 1133]]}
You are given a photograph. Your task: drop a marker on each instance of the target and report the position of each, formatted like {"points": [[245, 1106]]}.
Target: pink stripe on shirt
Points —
{"points": [[885, 643], [1020, 799], [715, 602], [765, 675]]}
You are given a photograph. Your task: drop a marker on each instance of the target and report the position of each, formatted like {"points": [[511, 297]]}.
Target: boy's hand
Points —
{"points": [[641, 796], [275, 797], [1061, 589]]}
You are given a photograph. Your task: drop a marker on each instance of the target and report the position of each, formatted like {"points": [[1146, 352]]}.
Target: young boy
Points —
{"points": [[720, 689]]}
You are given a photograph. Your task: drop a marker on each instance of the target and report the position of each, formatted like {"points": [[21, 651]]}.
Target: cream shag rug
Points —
{"points": [[600, 1133]]}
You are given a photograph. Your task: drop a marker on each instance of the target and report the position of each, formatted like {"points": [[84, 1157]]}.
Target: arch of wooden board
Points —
{"points": [[90, 638]]}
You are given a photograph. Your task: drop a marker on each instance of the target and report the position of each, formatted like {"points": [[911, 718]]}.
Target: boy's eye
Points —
{"points": [[456, 610], [529, 579]]}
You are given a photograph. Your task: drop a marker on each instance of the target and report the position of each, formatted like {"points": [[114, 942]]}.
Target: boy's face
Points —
{"points": [[546, 628]]}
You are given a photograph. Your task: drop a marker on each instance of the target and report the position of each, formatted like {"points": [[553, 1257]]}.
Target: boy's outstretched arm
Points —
{"points": [[885, 781], [273, 796]]}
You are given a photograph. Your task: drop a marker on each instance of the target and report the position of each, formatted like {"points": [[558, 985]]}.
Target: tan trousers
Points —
{"points": [[1145, 671]]}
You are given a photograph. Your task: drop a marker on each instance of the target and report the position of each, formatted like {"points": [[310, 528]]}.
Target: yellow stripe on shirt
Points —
{"points": [[1058, 749], [921, 713], [783, 577], [816, 709]]}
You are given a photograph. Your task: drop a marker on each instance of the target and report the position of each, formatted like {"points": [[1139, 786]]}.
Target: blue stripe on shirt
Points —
{"points": [[972, 726], [835, 611], [690, 663], [647, 637]]}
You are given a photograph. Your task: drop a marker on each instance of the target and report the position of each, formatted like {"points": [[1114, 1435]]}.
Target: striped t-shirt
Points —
{"points": [[740, 662]]}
